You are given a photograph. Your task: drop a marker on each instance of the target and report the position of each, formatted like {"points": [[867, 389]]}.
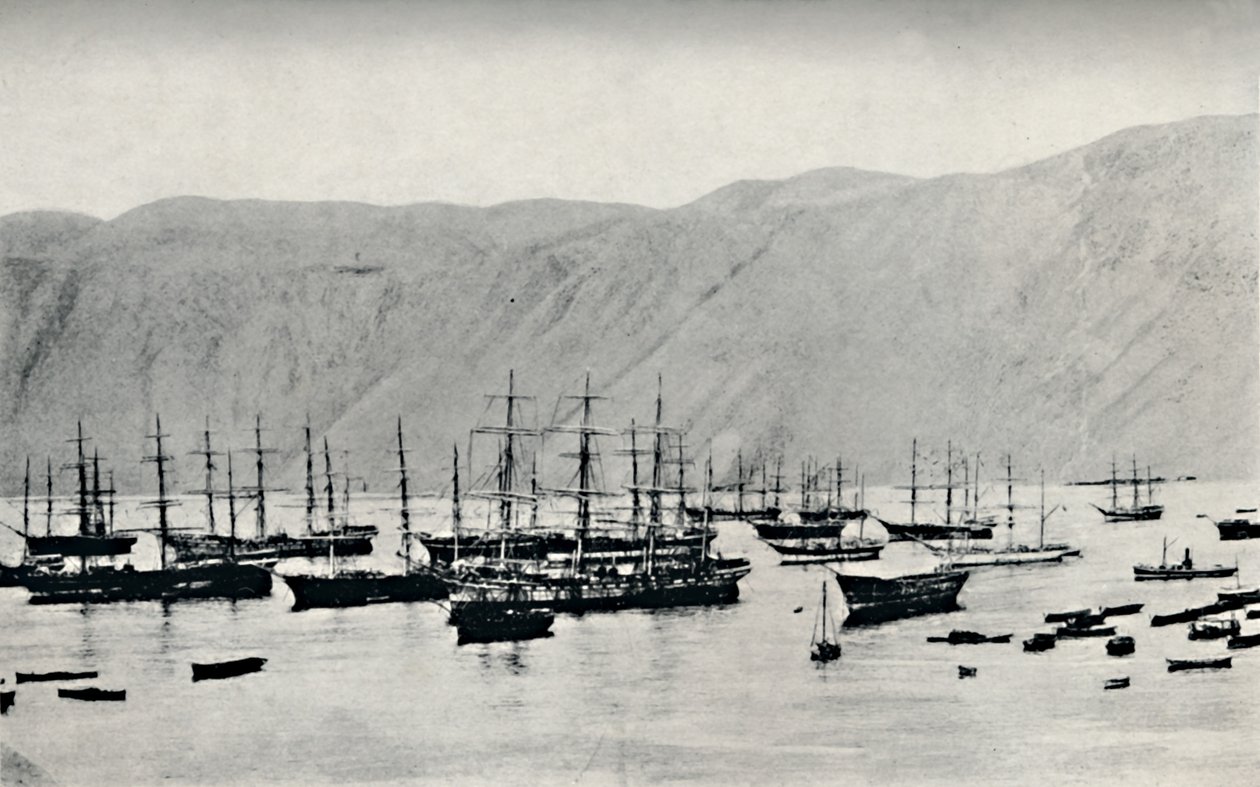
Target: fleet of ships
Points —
{"points": [[649, 544]]}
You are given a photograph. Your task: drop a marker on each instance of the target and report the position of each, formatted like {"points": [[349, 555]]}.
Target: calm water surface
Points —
{"points": [[716, 695]]}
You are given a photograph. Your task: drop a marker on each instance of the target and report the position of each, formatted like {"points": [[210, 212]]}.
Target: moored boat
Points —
{"points": [[961, 637], [824, 645], [872, 599], [1063, 617], [1183, 570], [7, 697], [1120, 646], [93, 694], [1116, 683], [1239, 641], [219, 670], [1040, 641], [1074, 632], [1180, 665], [1214, 629], [1193, 613], [36, 677], [1138, 511], [1120, 610]]}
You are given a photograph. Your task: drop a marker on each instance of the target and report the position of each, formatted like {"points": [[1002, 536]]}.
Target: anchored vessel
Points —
{"points": [[972, 528], [823, 645], [820, 532], [95, 584], [1183, 570], [1138, 511], [875, 599], [358, 587]]}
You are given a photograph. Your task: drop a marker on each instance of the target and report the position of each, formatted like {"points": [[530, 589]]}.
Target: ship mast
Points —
{"points": [[708, 501], [48, 512], [839, 482], [636, 505], [404, 501], [585, 489], [260, 490], [1041, 536], [26, 508], [763, 486], [1115, 502], [509, 434], [966, 487], [1136, 488], [231, 510], [1010, 502], [975, 498], [85, 524], [310, 480], [209, 490], [329, 490], [1150, 488], [97, 508], [111, 492], [914, 477], [778, 481], [457, 516], [739, 470], [162, 503], [658, 459]]}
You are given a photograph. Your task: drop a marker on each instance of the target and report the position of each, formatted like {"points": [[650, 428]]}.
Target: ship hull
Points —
{"points": [[877, 600], [1011, 557], [933, 531], [221, 581], [1148, 573], [1237, 529], [1139, 514], [360, 588], [80, 545], [210, 546], [544, 546], [821, 550], [495, 623]]}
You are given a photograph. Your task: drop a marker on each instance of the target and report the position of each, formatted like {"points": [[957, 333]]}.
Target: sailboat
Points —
{"points": [[1138, 511], [586, 581], [927, 531], [743, 511], [12, 576], [95, 537], [970, 555], [358, 587], [812, 534], [107, 583], [345, 540], [824, 646]]}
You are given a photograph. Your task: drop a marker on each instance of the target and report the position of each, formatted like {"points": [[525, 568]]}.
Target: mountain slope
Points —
{"points": [[1100, 301]]}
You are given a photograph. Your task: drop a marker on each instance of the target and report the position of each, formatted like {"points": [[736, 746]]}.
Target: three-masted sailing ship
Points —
{"points": [[633, 573], [347, 587], [921, 530], [107, 583], [1138, 511], [821, 530]]}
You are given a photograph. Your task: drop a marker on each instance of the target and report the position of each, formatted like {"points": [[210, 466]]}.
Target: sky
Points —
{"points": [[105, 106]]}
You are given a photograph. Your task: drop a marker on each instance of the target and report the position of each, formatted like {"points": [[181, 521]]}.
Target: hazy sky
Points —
{"points": [[108, 105]]}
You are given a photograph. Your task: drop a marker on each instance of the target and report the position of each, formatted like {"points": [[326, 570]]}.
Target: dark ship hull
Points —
{"points": [[540, 546], [935, 531], [1139, 514], [211, 546], [876, 600], [1145, 573], [716, 583], [360, 588], [824, 549], [725, 515], [80, 545], [1237, 529], [15, 576], [478, 622], [102, 585], [227, 669]]}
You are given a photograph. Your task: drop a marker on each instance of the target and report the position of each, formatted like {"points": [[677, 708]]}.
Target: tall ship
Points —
{"points": [[1137, 511], [345, 540], [95, 537], [751, 501], [107, 582], [349, 587], [969, 554], [921, 530], [872, 599], [584, 581], [12, 576], [821, 530]]}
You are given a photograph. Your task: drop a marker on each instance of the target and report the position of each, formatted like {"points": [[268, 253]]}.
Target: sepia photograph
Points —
{"points": [[628, 393]]}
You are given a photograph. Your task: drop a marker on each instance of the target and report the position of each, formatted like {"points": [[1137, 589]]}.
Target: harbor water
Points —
{"points": [[716, 695]]}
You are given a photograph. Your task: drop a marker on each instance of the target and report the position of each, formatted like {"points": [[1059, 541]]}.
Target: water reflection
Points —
{"points": [[503, 655]]}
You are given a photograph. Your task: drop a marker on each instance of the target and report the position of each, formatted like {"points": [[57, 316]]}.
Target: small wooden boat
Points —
{"points": [[1252, 614], [503, 623], [1120, 646], [1077, 631], [1180, 665], [1117, 683], [1194, 613], [1214, 629], [93, 694], [1239, 641], [227, 669], [1040, 642], [824, 646], [966, 672], [1063, 617], [958, 637], [35, 677], [7, 697], [1240, 595], [1122, 609]]}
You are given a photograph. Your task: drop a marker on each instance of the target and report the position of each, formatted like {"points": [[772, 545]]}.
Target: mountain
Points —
{"points": [[1100, 302]]}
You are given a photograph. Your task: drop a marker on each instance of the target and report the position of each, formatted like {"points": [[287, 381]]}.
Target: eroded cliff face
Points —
{"points": [[1104, 300]]}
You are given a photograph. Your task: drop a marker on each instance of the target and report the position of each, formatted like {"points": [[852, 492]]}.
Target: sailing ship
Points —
{"points": [[95, 537], [916, 529], [359, 587], [13, 576], [1183, 570], [1138, 511], [872, 599], [824, 646], [346, 539], [821, 533], [107, 583], [971, 555], [584, 580], [743, 511]]}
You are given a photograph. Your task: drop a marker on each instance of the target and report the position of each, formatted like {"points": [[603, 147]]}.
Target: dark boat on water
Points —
{"points": [[1236, 528], [226, 669], [36, 677], [1183, 570], [93, 694], [100, 584], [1122, 609], [1252, 614], [966, 672], [1040, 642], [1137, 512], [1063, 617], [501, 622], [7, 697], [1116, 683], [1194, 613], [357, 587], [1073, 632], [1239, 641], [960, 637], [1120, 646], [1180, 665], [973, 529], [876, 599], [1214, 629], [824, 646]]}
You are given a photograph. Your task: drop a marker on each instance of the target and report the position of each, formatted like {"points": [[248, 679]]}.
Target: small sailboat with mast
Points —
{"points": [[344, 587], [824, 644], [108, 583]]}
